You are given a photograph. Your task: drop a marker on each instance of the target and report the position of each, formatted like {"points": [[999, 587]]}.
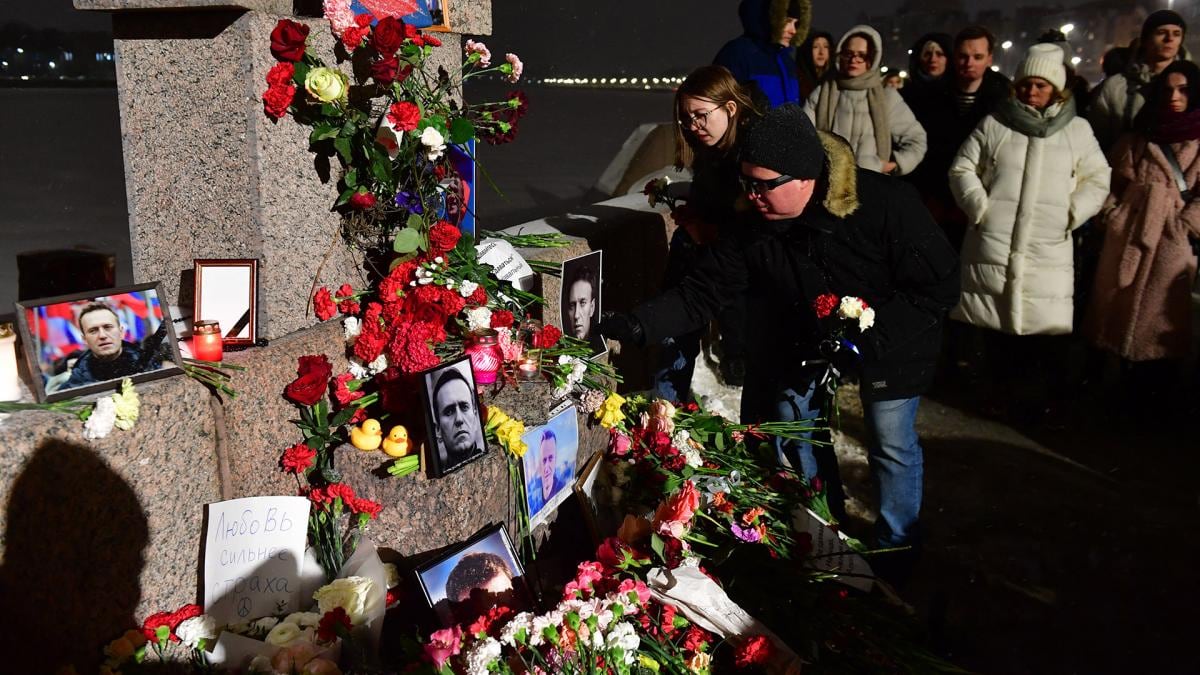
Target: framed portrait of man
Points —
{"points": [[453, 425], [549, 464], [424, 14], [465, 582], [89, 342], [581, 299]]}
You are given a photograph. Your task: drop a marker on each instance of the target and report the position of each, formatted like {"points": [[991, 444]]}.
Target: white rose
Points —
{"points": [[197, 628], [432, 139], [867, 319], [304, 619], [100, 423], [352, 594], [466, 288], [283, 634], [851, 308], [479, 318]]}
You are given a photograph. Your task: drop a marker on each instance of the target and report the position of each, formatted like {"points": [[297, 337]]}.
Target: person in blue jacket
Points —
{"points": [[763, 55]]}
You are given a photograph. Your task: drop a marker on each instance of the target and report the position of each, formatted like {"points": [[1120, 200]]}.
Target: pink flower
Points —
{"points": [[676, 512], [517, 67], [511, 350], [443, 644], [485, 54], [339, 15], [749, 535], [619, 443], [632, 586], [589, 573]]}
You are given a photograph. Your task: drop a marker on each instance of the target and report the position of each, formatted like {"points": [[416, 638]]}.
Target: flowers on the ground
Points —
{"points": [[609, 414], [352, 594], [312, 380], [327, 85]]}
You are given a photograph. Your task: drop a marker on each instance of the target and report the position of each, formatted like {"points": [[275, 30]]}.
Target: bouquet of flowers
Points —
{"points": [[842, 318]]}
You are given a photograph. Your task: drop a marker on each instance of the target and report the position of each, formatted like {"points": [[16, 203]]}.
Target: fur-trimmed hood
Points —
{"points": [[763, 19], [841, 172]]}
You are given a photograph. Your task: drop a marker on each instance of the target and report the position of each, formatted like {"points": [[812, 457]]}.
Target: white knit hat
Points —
{"points": [[1044, 61]]}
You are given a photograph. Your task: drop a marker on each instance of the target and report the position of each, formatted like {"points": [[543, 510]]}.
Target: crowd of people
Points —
{"points": [[991, 224]]}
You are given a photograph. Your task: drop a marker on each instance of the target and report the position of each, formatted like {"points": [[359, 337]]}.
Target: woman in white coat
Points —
{"points": [[879, 125], [1029, 174]]}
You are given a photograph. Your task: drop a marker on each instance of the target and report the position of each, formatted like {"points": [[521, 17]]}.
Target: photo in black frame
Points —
{"points": [[89, 342], [465, 582], [581, 302], [453, 424]]}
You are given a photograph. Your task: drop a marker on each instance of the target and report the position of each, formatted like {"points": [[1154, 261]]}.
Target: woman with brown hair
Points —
{"points": [[711, 108]]}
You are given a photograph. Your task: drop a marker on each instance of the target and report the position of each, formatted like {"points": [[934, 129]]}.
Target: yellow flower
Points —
{"points": [[509, 434], [127, 405], [699, 663], [648, 663], [327, 84], [610, 413], [495, 417]]}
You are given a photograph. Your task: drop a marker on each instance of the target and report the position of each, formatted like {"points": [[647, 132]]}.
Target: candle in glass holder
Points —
{"points": [[529, 330], [206, 341], [483, 349], [529, 367], [10, 383]]}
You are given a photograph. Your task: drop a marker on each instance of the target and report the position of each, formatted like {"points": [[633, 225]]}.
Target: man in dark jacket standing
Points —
{"points": [[825, 226], [763, 55]]}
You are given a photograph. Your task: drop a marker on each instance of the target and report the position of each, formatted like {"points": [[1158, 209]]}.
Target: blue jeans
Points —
{"points": [[894, 454], [677, 362]]}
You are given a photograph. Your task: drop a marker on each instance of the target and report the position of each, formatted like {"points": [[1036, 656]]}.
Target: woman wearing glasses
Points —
{"points": [[711, 108], [879, 125]]}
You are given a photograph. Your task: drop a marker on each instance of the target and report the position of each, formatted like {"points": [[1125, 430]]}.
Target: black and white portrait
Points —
{"points": [[581, 282], [455, 431]]}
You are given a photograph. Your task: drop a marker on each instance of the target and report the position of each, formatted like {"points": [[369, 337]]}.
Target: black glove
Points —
{"points": [[843, 355], [624, 328]]}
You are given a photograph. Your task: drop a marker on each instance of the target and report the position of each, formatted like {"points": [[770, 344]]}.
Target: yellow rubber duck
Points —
{"points": [[396, 443], [368, 436]]}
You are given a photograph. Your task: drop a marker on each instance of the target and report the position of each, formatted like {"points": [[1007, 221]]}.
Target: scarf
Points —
{"points": [[876, 106], [1032, 122], [1175, 127]]}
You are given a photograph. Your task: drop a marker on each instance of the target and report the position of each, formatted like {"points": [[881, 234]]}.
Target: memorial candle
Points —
{"points": [[528, 367], [10, 384], [206, 341], [486, 358]]}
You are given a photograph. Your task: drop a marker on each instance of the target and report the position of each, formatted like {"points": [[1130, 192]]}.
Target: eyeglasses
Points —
{"points": [[853, 56], [754, 186], [699, 118]]}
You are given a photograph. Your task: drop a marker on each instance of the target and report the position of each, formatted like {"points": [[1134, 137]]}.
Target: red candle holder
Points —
{"points": [[206, 341], [483, 350]]}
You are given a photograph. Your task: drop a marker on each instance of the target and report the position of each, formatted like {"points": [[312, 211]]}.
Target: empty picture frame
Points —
{"points": [[227, 292], [89, 342]]}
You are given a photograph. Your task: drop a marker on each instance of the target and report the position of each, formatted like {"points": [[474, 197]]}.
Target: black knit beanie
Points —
{"points": [[784, 140], [1163, 17]]}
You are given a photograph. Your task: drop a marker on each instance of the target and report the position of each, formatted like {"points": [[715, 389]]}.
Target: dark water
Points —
{"points": [[62, 181]]}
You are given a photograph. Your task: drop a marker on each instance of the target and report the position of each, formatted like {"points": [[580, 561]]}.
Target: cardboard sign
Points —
{"points": [[507, 264], [254, 551], [831, 554]]}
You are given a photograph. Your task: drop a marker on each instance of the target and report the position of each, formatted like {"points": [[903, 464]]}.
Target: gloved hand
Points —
{"points": [[624, 328], [842, 355]]}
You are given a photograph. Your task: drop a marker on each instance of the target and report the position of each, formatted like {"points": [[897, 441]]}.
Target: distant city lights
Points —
{"points": [[1066, 28], [1007, 44], [1075, 60]]}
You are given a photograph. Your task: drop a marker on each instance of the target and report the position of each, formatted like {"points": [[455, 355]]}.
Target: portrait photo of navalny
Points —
{"points": [[89, 342], [581, 282], [549, 464], [453, 426]]}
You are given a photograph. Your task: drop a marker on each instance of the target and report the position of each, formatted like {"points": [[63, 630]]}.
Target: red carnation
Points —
{"points": [[318, 496], [409, 350], [333, 625], [502, 318], [388, 36], [287, 40], [404, 115], [313, 377], [547, 338], [184, 613], [493, 618], [342, 491], [297, 458], [695, 638], [281, 74], [443, 237], [753, 652], [353, 36], [324, 305], [361, 505], [277, 99], [341, 389], [361, 201], [521, 101], [346, 302], [825, 304], [153, 622], [384, 69], [431, 40]]}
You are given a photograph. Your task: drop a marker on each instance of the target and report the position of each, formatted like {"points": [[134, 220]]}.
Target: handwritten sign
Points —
{"points": [[830, 553], [253, 556], [507, 264]]}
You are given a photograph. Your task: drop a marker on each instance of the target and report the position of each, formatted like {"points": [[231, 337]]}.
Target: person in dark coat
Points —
{"points": [[824, 226], [814, 62], [762, 55], [927, 95]]}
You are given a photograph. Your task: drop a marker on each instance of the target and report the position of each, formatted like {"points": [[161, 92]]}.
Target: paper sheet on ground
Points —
{"points": [[507, 264], [831, 554]]}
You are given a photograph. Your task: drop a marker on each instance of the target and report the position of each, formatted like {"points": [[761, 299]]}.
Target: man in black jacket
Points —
{"points": [[824, 226]]}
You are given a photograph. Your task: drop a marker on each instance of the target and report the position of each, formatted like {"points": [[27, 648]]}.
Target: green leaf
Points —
{"points": [[415, 222], [719, 439], [300, 73], [673, 483], [342, 145], [658, 546], [322, 416], [343, 416], [330, 474], [381, 166], [407, 240], [400, 260], [322, 131], [687, 472], [345, 196], [461, 130], [330, 110]]}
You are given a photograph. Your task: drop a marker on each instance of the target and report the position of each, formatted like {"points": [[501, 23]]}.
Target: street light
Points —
{"points": [[1066, 28], [1075, 60], [1007, 44]]}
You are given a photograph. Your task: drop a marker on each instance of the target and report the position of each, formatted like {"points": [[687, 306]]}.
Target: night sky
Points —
{"points": [[566, 37]]}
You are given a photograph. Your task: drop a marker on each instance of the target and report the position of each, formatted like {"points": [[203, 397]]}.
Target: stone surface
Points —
{"points": [[471, 17], [100, 533], [273, 6]]}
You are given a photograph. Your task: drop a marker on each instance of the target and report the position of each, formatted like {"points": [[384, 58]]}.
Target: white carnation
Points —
{"points": [[197, 628], [510, 630], [379, 365], [482, 655], [624, 636], [433, 140], [479, 318], [867, 319], [352, 328], [466, 288], [100, 422], [358, 370], [851, 307]]}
